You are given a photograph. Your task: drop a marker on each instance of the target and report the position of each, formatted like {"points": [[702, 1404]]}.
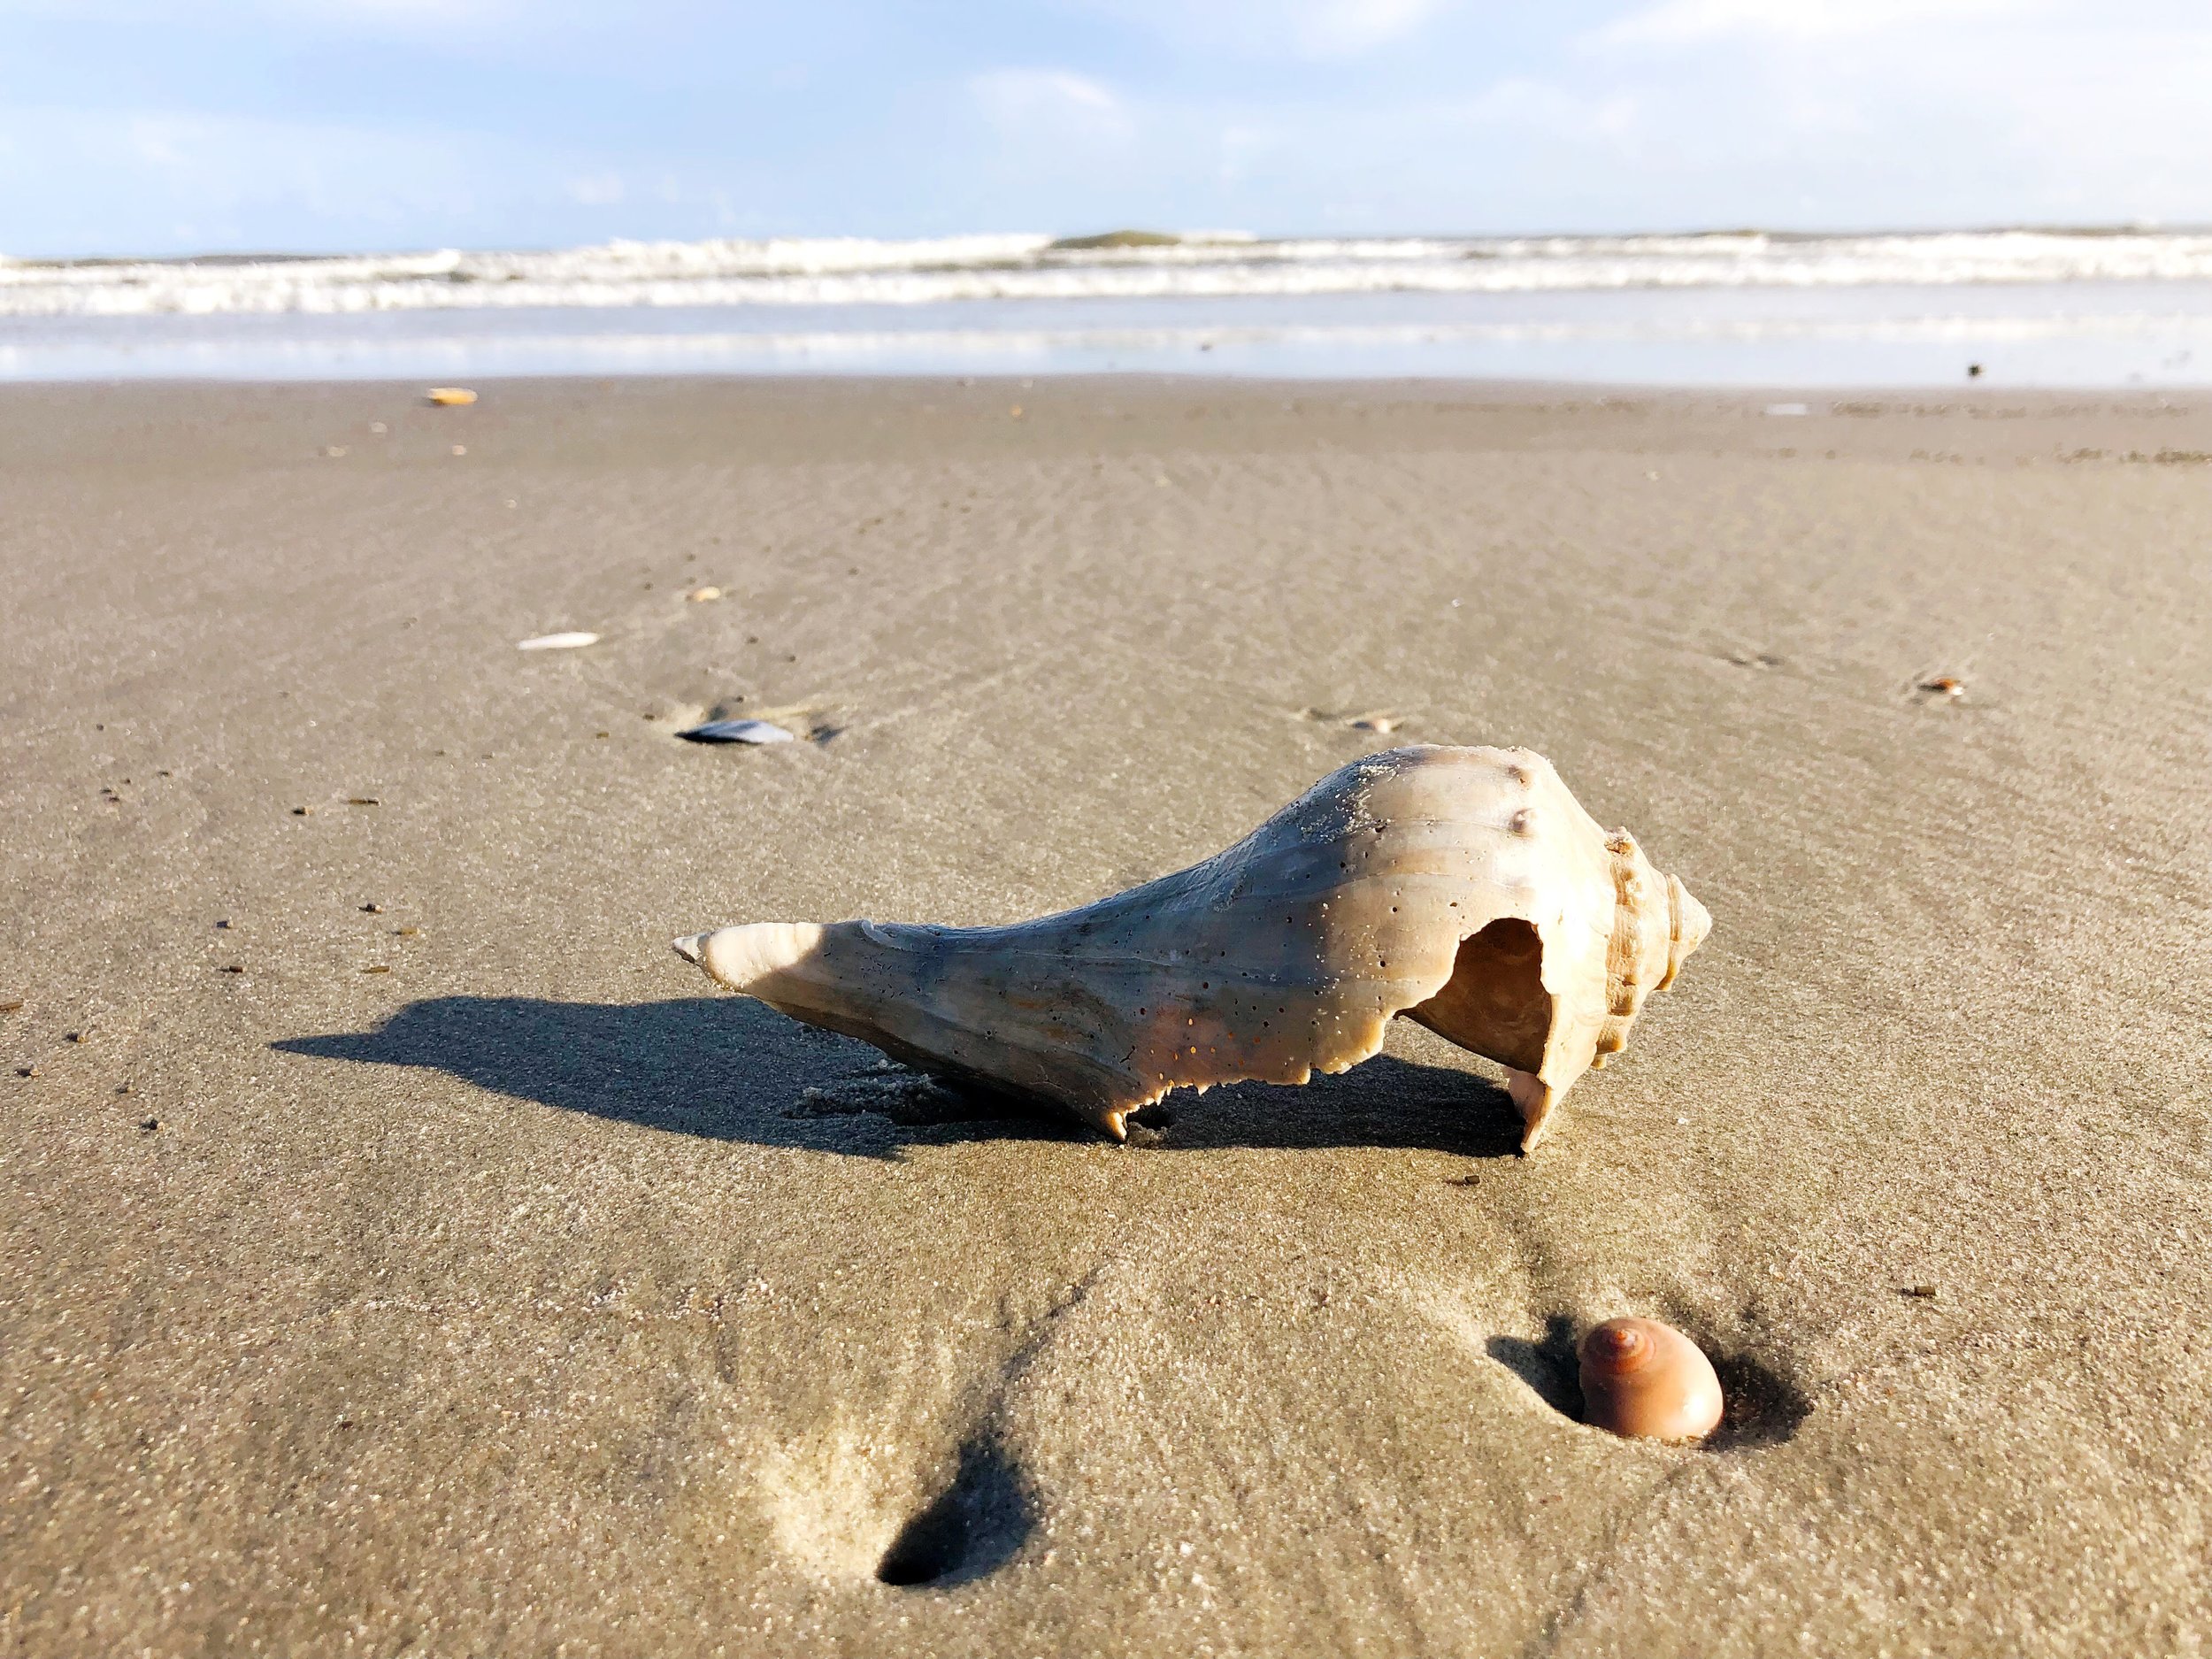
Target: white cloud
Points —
{"points": [[168, 181], [447, 11], [413, 16], [1275, 28], [1278, 115], [1028, 104], [1330, 28], [602, 189], [1882, 112], [1948, 112], [1683, 21]]}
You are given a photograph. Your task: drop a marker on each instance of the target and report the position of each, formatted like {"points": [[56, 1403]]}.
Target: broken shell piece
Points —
{"points": [[1464, 888], [1944, 686], [703, 595], [736, 732], [1646, 1381], [452, 396], [556, 642]]}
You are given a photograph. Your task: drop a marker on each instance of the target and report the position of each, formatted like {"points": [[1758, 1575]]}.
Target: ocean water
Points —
{"points": [[2024, 308]]}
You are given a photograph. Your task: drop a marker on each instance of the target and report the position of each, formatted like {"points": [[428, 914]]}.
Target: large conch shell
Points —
{"points": [[1463, 888]]}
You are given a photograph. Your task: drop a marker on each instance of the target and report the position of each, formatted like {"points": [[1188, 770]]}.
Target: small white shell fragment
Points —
{"points": [[452, 396], [556, 642], [703, 595], [736, 732]]}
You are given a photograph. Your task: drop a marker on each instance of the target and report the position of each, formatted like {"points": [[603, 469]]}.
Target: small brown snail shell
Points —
{"points": [[1646, 1381]]}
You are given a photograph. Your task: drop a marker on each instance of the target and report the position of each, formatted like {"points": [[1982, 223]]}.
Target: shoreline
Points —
{"points": [[2106, 332]]}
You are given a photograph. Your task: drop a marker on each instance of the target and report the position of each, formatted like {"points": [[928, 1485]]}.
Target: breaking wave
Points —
{"points": [[1126, 266]]}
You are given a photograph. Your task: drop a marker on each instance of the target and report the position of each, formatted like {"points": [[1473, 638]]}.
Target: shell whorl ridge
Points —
{"points": [[1646, 1380], [1464, 888]]}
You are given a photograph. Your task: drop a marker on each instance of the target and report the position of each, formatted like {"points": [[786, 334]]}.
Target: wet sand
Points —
{"points": [[415, 1256]]}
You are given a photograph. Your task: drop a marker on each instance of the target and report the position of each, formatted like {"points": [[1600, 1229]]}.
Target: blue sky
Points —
{"points": [[127, 125]]}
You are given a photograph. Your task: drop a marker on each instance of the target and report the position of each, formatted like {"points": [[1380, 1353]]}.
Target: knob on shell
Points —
{"points": [[1647, 1381]]}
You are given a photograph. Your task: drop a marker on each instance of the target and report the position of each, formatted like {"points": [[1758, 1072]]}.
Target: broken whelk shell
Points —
{"points": [[736, 732], [1464, 888], [558, 641], [1644, 1380]]}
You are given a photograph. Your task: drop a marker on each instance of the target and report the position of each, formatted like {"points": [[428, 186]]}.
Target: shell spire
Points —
{"points": [[1464, 888], [1643, 1379]]}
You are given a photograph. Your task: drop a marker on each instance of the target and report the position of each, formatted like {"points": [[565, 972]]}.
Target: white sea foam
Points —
{"points": [[2108, 334], [856, 270]]}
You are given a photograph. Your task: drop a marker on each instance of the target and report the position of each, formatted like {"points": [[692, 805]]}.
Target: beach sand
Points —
{"points": [[530, 1297]]}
